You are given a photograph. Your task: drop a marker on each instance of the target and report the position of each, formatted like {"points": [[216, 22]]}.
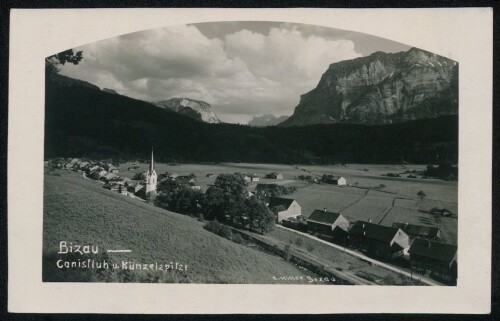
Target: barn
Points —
{"points": [[378, 240], [284, 208], [438, 258], [328, 224], [334, 180]]}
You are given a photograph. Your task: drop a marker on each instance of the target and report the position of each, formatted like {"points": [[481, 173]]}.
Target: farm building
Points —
{"points": [[439, 258], [414, 231], [251, 178], [275, 175], [328, 224], [284, 208], [186, 179], [378, 240], [335, 180], [194, 186]]}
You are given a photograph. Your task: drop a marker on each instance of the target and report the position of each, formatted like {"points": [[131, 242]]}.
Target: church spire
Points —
{"points": [[152, 165]]}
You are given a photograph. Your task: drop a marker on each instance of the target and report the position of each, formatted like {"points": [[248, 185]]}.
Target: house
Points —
{"points": [[83, 165], [424, 232], [254, 178], [251, 177], [378, 240], [135, 187], [335, 180], [186, 179], [284, 208], [92, 169], [114, 170], [194, 186], [329, 224], [108, 176], [438, 258], [109, 167], [98, 173], [275, 175]]}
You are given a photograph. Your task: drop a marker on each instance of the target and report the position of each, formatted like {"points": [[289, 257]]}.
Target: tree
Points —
{"points": [[259, 216], [52, 62], [225, 197], [421, 194]]}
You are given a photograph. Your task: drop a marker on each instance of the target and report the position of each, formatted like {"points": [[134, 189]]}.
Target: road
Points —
{"points": [[421, 278]]}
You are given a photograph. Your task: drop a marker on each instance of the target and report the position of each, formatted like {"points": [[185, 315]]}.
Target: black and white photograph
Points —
{"points": [[277, 153], [181, 154]]}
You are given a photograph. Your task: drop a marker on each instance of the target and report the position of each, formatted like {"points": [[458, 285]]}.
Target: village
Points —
{"points": [[421, 249]]}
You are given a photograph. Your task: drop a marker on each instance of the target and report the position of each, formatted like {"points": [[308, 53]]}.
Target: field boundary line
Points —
{"points": [[356, 201], [364, 257]]}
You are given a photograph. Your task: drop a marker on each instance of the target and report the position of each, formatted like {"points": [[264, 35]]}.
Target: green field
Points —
{"points": [[79, 210], [362, 201]]}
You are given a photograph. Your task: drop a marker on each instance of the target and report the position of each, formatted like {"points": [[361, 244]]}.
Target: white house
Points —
{"points": [[284, 208]]}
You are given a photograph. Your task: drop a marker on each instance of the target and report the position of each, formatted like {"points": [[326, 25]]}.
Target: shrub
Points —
{"points": [[310, 248], [213, 226], [219, 229], [238, 239], [382, 186], [200, 217], [299, 242]]}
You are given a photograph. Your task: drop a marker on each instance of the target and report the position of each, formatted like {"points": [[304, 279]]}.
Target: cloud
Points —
{"points": [[241, 74]]}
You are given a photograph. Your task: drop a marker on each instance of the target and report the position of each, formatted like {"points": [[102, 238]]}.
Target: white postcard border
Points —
{"points": [[462, 34]]}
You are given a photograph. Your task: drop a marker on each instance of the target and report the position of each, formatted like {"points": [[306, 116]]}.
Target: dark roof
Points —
{"points": [[278, 208], [321, 216], [425, 231], [333, 177], [275, 201], [372, 231], [264, 186], [434, 250]]}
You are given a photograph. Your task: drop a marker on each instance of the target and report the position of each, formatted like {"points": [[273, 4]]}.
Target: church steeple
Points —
{"points": [[152, 164]]}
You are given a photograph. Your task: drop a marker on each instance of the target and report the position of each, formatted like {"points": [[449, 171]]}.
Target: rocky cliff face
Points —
{"points": [[199, 110], [381, 89]]}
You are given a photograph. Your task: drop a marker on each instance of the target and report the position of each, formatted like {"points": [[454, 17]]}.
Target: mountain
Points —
{"points": [[382, 88], [266, 120], [195, 109], [111, 91], [83, 121]]}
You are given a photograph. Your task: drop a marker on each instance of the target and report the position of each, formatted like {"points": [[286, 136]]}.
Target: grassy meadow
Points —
{"points": [[79, 210], [397, 201]]}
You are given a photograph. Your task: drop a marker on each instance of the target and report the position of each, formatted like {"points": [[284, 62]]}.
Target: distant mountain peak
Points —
{"points": [[381, 88], [195, 109], [266, 120]]}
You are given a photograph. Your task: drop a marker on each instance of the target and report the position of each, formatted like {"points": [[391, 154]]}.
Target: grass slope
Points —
{"points": [[80, 211]]}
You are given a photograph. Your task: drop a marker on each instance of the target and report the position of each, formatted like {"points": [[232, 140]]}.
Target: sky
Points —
{"points": [[241, 69]]}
